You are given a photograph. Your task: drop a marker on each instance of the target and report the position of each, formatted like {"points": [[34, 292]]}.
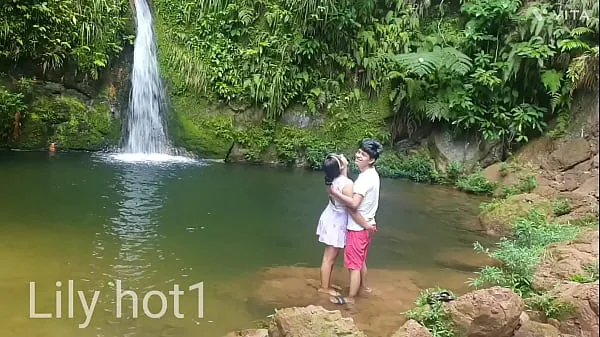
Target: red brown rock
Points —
{"points": [[491, 312], [412, 328], [570, 153], [583, 321], [536, 329], [312, 321], [565, 260]]}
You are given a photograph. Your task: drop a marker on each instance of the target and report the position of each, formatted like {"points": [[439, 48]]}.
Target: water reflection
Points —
{"points": [[135, 228], [127, 249]]}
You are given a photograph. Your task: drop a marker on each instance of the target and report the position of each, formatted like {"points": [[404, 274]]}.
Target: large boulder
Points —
{"points": [[470, 152], [491, 312], [312, 321], [583, 319], [570, 153], [412, 328]]}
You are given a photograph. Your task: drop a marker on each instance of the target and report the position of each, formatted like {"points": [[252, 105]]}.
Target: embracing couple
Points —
{"points": [[348, 221]]}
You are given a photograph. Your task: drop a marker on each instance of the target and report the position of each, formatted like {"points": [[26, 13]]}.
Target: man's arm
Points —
{"points": [[351, 202], [357, 217]]}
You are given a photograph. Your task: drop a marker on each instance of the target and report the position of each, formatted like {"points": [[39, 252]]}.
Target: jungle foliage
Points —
{"points": [[56, 34], [501, 68]]}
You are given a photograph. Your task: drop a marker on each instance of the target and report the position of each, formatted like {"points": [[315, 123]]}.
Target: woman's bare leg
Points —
{"points": [[329, 256]]}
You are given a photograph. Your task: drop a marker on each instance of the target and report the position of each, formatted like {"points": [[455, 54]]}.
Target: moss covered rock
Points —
{"points": [[200, 127], [497, 217], [69, 123]]}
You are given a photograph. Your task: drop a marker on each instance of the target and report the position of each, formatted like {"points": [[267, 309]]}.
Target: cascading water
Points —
{"points": [[146, 138], [146, 133]]}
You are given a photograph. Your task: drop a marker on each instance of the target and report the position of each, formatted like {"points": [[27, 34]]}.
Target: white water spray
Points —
{"points": [[146, 133]]}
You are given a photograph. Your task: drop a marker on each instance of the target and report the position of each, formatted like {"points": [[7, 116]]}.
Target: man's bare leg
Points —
{"points": [[329, 256], [353, 292], [363, 279], [354, 285]]}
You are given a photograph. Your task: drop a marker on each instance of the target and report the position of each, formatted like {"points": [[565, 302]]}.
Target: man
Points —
{"points": [[362, 208]]}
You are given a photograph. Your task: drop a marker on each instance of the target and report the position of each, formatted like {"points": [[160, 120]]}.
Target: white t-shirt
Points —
{"points": [[367, 185]]}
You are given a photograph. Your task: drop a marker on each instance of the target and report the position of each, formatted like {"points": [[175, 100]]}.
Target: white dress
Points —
{"points": [[331, 229]]}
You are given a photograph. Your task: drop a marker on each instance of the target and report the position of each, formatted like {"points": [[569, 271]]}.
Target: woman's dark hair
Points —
{"points": [[331, 167]]}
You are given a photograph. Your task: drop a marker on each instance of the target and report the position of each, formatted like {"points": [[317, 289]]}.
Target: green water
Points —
{"points": [[79, 217]]}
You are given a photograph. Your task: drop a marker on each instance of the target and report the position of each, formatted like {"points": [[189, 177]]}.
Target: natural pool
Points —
{"points": [[246, 232]]}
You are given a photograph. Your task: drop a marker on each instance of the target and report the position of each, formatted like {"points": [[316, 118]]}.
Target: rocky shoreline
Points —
{"points": [[559, 179]]}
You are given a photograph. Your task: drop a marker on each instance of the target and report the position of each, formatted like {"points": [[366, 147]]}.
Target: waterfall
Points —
{"points": [[145, 130]]}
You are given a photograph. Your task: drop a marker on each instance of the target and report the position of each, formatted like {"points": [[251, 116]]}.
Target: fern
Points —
{"points": [[427, 63], [419, 64], [436, 110], [456, 60], [572, 44], [551, 79], [246, 16], [578, 31]]}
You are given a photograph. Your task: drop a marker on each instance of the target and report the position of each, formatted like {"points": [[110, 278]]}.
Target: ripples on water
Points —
{"points": [[155, 221], [133, 232]]}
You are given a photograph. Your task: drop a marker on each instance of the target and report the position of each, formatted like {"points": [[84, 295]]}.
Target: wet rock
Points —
{"points": [[583, 319], [412, 328], [491, 312], [312, 321], [566, 260], [249, 333], [497, 220]]}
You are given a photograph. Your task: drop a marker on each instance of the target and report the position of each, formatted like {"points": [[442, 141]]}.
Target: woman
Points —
{"points": [[332, 223]]}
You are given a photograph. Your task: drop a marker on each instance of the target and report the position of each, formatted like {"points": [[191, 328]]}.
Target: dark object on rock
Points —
{"points": [[443, 296]]}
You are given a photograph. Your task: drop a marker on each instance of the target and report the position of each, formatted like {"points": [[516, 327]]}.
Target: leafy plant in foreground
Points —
{"points": [[431, 316]]}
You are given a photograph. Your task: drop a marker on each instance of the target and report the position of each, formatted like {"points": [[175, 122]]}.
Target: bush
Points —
{"points": [[476, 183]]}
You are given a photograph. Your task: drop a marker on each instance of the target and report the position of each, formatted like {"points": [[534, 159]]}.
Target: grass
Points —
{"points": [[432, 316]]}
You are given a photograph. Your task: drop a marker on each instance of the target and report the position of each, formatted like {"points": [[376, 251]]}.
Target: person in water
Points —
{"points": [[362, 207], [331, 229]]}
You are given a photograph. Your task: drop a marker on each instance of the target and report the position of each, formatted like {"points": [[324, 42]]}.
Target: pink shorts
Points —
{"points": [[355, 253]]}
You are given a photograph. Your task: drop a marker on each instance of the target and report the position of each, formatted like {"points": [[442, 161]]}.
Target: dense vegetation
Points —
{"points": [[58, 39], [498, 69], [63, 34], [501, 69]]}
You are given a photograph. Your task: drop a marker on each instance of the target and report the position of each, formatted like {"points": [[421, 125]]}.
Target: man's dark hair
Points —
{"points": [[331, 167], [372, 147]]}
